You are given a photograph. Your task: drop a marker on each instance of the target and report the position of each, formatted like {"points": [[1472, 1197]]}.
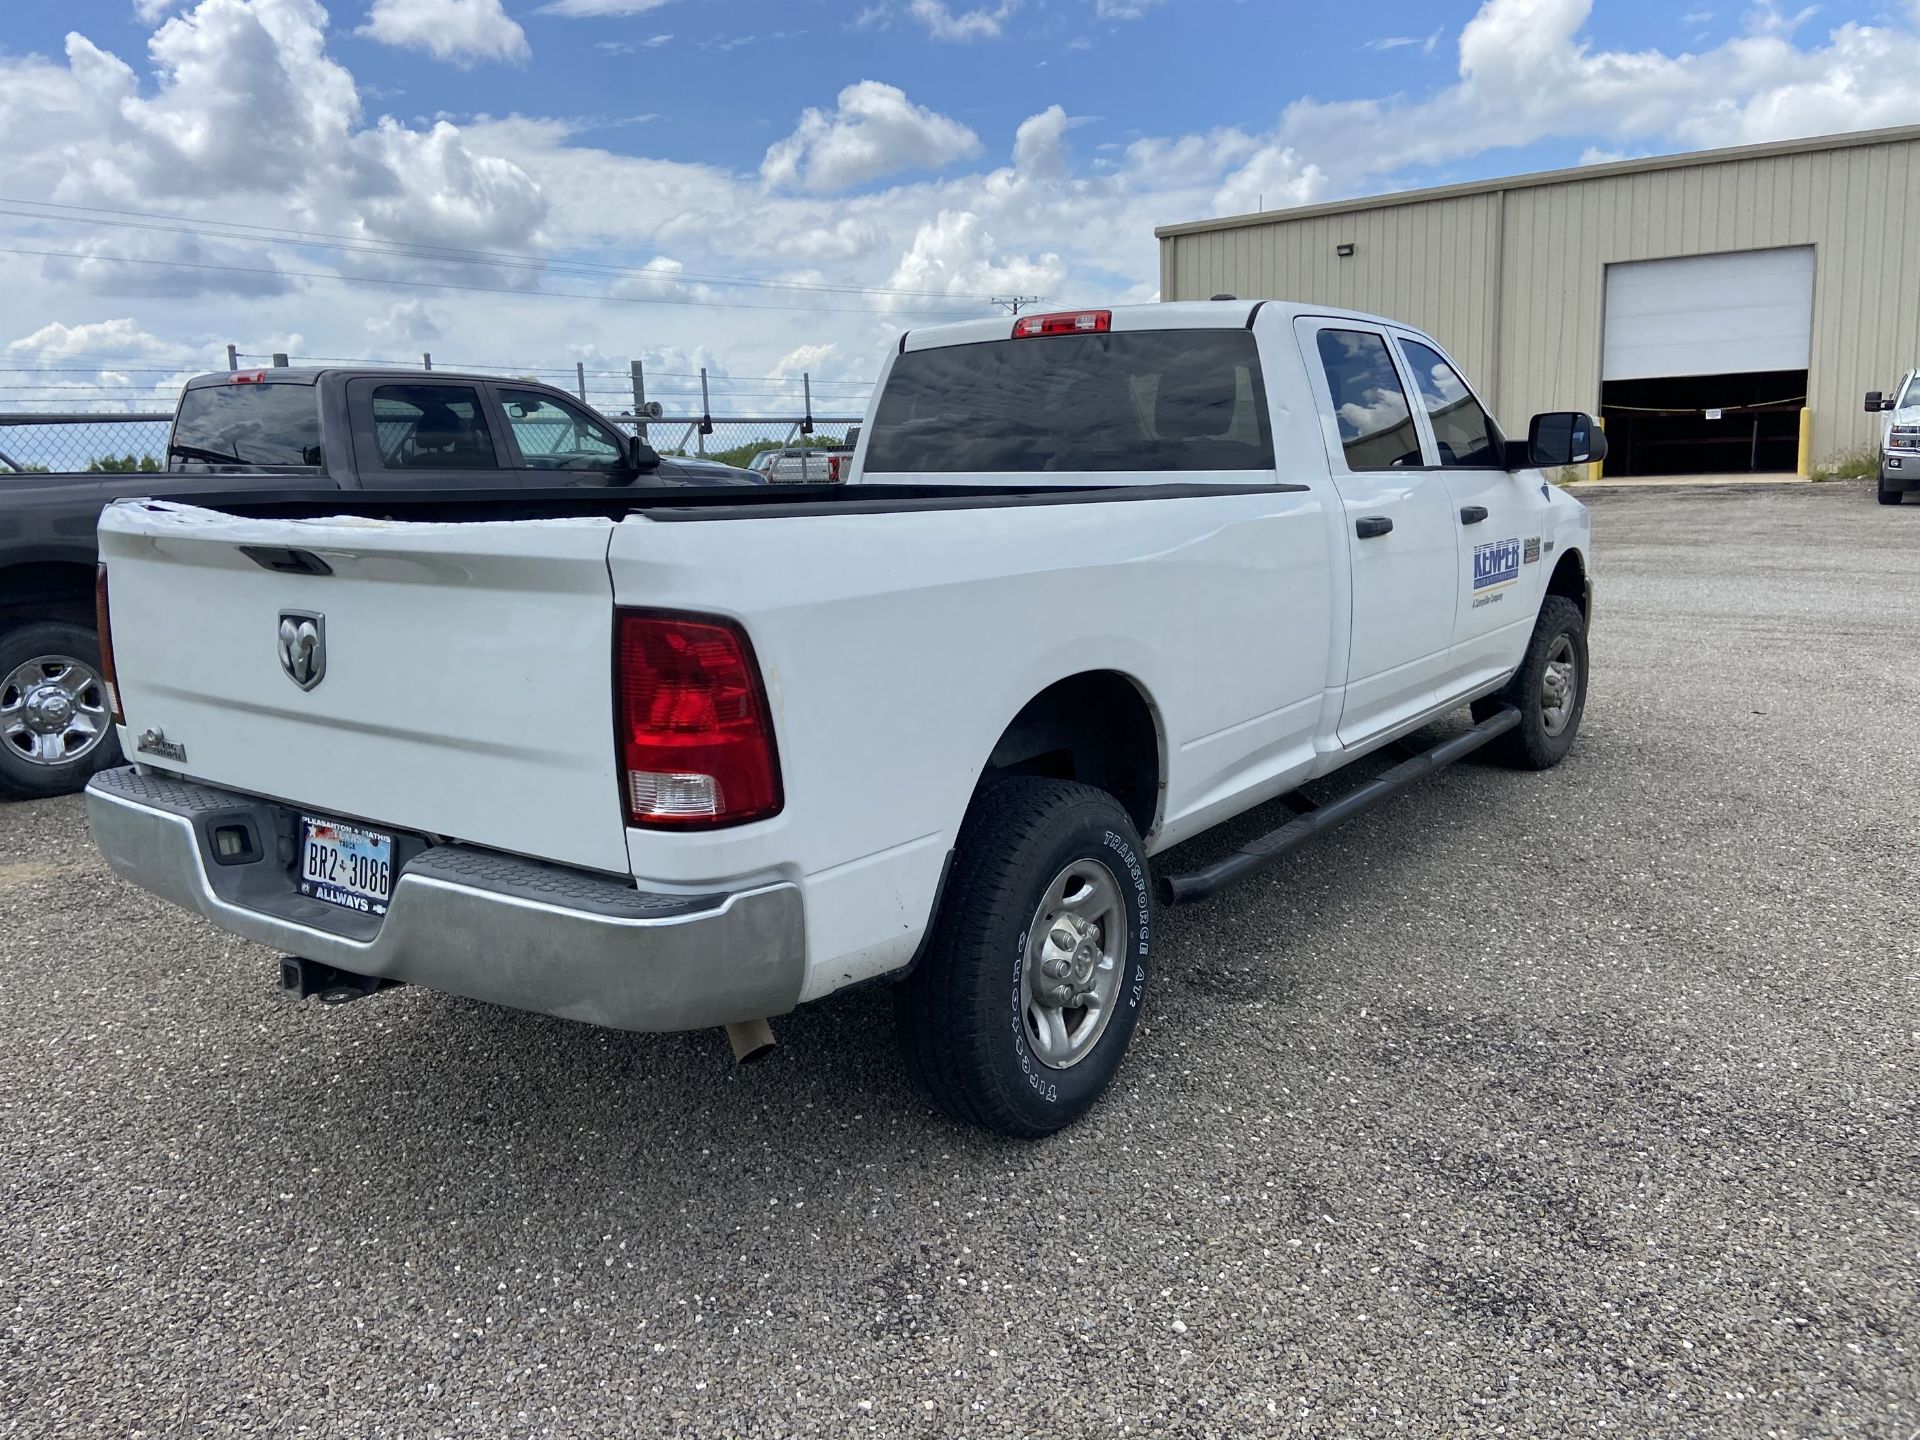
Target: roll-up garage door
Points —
{"points": [[1746, 311]]}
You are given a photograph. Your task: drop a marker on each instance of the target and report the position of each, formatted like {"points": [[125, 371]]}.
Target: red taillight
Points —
{"points": [[694, 732], [1067, 322], [833, 469], [100, 622], [247, 377]]}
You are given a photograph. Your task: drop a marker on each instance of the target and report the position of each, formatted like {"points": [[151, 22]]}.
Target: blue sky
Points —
{"points": [[771, 187]]}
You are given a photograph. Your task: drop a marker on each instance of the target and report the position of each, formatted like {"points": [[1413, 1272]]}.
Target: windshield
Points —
{"points": [[1910, 395], [257, 424]]}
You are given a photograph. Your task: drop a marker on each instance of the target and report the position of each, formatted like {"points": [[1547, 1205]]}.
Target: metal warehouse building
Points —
{"points": [[1697, 302]]}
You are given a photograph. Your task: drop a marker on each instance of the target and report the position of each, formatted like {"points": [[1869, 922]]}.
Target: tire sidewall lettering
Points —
{"points": [[1123, 860]]}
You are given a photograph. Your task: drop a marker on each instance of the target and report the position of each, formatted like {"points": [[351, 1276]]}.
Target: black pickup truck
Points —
{"points": [[294, 430]]}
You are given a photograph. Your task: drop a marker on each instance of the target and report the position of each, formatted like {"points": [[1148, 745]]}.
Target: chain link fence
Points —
{"points": [[63, 443], [128, 430]]}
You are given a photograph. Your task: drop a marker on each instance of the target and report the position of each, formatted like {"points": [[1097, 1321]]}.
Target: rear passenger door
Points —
{"points": [[1399, 526], [1498, 514], [424, 434]]}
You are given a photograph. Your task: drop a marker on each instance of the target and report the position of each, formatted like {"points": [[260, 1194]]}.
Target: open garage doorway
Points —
{"points": [[1704, 424], [1705, 362]]}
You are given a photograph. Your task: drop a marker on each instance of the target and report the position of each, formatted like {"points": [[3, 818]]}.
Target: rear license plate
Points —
{"points": [[345, 865]]}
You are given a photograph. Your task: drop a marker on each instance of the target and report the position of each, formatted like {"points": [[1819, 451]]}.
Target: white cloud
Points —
{"points": [[804, 360], [244, 104], [584, 9], [1122, 9], [875, 130], [462, 31], [409, 322], [943, 24], [1273, 178], [1527, 75], [121, 339], [954, 253], [151, 10]]}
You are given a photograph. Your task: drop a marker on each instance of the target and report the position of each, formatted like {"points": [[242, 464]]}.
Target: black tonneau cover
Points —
{"points": [[691, 502]]}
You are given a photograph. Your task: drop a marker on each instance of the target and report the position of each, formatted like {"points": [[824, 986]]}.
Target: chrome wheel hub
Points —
{"points": [[1075, 957], [1559, 685], [53, 710]]}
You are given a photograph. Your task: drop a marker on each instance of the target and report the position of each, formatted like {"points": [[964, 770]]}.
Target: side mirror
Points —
{"points": [[641, 457], [1564, 437], [1875, 404]]}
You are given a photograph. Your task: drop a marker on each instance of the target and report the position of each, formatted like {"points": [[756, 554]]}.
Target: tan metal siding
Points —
{"points": [[1520, 302]]}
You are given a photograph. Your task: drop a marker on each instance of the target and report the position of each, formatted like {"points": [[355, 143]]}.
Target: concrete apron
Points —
{"points": [[1638, 481]]}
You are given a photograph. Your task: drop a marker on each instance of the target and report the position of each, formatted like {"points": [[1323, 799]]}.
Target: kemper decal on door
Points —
{"points": [[1495, 566]]}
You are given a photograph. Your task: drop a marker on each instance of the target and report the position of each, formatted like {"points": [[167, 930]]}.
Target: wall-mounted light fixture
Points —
{"points": [[1343, 249]]}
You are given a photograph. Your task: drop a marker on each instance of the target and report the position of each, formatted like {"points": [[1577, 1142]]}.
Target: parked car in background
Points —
{"points": [[1106, 579], [804, 465], [267, 431], [1899, 438]]}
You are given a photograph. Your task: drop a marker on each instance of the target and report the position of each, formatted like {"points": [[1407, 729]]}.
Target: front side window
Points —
{"points": [[1168, 400], [432, 427], [552, 436], [1461, 430], [1369, 402]]}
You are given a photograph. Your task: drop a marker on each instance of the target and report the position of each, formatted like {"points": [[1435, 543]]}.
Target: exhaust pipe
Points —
{"points": [[751, 1040]]}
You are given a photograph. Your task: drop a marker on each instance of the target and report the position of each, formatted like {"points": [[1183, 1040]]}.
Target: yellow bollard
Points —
{"points": [[1594, 467], [1806, 443]]}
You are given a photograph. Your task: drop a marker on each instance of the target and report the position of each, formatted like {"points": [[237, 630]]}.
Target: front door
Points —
{"points": [[1498, 514], [1399, 527]]}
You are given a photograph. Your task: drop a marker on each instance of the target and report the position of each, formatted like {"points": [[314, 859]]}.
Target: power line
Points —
{"points": [[327, 276], [235, 230]]}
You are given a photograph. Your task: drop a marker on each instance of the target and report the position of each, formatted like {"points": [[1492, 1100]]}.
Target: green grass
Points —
{"points": [[1862, 464]]}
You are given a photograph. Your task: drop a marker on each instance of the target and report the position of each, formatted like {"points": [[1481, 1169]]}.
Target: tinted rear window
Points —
{"points": [[249, 425], [1140, 400]]}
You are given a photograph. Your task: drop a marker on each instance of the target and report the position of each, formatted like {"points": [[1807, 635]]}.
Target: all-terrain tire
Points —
{"points": [[1887, 494], [964, 1012], [1542, 738]]}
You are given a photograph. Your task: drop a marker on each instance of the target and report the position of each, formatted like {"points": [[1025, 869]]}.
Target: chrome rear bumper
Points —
{"points": [[469, 922]]}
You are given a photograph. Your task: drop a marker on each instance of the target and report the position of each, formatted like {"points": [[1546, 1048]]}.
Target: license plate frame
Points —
{"points": [[346, 866]]}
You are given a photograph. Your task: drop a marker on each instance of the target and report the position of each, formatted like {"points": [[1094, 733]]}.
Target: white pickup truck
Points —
{"points": [[1899, 438], [659, 759]]}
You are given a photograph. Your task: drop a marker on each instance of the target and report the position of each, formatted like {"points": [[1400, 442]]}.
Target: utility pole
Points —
{"points": [[1013, 303]]}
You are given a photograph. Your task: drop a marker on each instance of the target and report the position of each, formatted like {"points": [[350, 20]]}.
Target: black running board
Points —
{"points": [[1277, 844]]}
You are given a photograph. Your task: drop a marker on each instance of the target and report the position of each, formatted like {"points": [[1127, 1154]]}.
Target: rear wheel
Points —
{"points": [[1549, 690], [55, 725], [1019, 1015]]}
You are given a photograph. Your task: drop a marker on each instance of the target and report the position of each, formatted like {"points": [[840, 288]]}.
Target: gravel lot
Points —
{"points": [[1532, 1105]]}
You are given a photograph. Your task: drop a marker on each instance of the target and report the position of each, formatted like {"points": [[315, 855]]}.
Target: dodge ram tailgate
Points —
{"points": [[449, 679]]}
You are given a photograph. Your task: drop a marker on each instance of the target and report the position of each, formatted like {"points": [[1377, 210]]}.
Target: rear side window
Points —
{"points": [[1461, 429], [1173, 400], [258, 424], [432, 427], [1369, 402]]}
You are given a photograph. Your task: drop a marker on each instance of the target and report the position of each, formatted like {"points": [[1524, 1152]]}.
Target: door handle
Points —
{"points": [[1472, 514], [1371, 526]]}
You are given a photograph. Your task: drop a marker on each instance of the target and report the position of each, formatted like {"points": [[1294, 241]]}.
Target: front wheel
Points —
{"points": [[55, 725], [1549, 690], [1019, 1015], [1889, 495]]}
